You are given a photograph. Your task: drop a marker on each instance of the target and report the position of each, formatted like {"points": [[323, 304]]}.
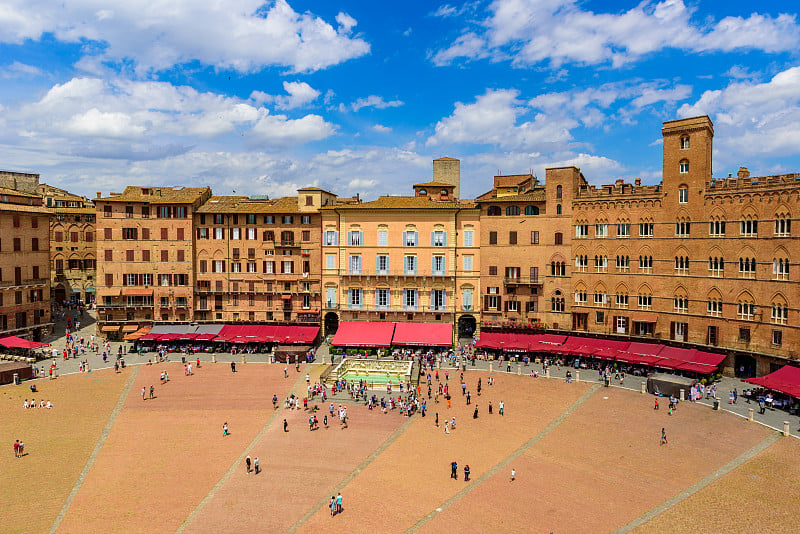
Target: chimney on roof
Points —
{"points": [[743, 173], [98, 194], [637, 182], [618, 182], [730, 175]]}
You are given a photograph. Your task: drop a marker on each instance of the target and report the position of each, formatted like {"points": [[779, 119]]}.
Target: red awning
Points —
{"points": [[423, 334], [265, 333], [20, 343], [650, 349], [363, 334], [169, 337], [638, 359], [668, 363], [185, 337], [697, 368], [205, 337], [785, 380], [150, 337], [707, 358]]}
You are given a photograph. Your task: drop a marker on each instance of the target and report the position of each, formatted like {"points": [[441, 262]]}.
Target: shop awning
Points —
{"points": [[644, 318], [186, 337], [423, 334], [649, 349], [697, 368], [169, 337], [137, 292], [707, 358], [150, 337], [638, 359], [130, 328], [364, 334], [668, 363], [204, 337], [20, 343], [138, 334], [785, 380], [109, 328]]}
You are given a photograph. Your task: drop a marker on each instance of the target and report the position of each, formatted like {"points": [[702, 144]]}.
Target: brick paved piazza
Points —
{"points": [[587, 459]]}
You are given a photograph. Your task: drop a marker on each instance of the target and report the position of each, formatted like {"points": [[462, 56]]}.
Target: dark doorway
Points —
{"points": [[60, 294], [745, 366], [466, 326], [331, 323]]}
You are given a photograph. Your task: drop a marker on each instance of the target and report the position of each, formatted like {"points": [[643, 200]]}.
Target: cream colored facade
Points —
{"points": [[414, 258]]}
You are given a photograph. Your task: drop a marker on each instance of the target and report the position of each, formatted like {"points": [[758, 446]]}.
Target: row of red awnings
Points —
{"points": [[652, 354], [283, 334], [785, 380], [386, 334]]}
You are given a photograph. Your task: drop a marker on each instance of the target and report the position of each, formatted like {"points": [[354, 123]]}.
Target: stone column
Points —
{"points": [[519, 369], [577, 376], [16, 379], [213, 358], [683, 394], [750, 412], [644, 387], [547, 373], [786, 428], [491, 367], [243, 359]]}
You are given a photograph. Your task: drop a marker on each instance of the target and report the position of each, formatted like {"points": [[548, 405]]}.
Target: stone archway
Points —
{"points": [[745, 366], [59, 293], [331, 323]]}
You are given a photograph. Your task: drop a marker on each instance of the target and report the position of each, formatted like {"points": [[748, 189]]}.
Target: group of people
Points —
{"points": [[32, 404]]}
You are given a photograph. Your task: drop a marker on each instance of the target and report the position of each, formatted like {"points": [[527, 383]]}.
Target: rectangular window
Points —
{"points": [[438, 300], [581, 230], [355, 300], [236, 267], [145, 255], [108, 255], [269, 267], [645, 301], [219, 218], [468, 238], [410, 239], [164, 256], [621, 300], [492, 238], [382, 299], [623, 229], [128, 255], [251, 267], [438, 238], [305, 219], [59, 237], [777, 338], [129, 233], [466, 299], [383, 238], [218, 266], [535, 237], [382, 265], [512, 238], [467, 263], [410, 265], [106, 233], [164, 234], [355, 265], [744, 334], [330, 261], [354, 238], [287, 266], [203, 266], [287, 219], [331, 238], [35, 244], [646, 229], [109, 280], [410, 299], [236, 233], [107, 210], [438, 266], [493, 270]]}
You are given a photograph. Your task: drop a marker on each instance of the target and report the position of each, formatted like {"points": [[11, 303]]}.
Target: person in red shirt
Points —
{"points": [[16, 449]]}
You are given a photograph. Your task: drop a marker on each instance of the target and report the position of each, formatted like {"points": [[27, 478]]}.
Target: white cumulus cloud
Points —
{"points": [[557, 32], [242, 35], [300, 94]]}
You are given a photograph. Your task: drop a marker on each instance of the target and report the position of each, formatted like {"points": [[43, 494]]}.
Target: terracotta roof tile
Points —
{"points": [[239, 204], [415, 203], [159, 195], [7, 191], [434, 184], [536, 195]]}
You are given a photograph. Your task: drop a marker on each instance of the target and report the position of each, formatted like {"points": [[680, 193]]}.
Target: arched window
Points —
{"points": [[531, 210], [558, 208], [423, 191], [685, 142], [559, 191], [683, 194], [494, 211], [512, 210]]}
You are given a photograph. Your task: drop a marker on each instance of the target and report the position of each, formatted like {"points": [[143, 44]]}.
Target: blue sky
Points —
{"points": [[358, 97]]}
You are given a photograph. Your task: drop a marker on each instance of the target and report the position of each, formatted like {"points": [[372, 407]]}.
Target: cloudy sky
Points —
{"points": [[262, 97]]}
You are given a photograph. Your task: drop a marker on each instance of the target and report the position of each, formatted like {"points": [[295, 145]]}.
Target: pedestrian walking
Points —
{"points": [[332, 504], [454, 470], [143, 393], [338, 503], [466, 473], [225, 428], [502, 407], [655, 406], [152, 390], [233, 367], [16, 449], [469, 398], [513, 475], [255, 465], [475, 413], [436, 424], [664, 436], [247, 462], [285, 426]]}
